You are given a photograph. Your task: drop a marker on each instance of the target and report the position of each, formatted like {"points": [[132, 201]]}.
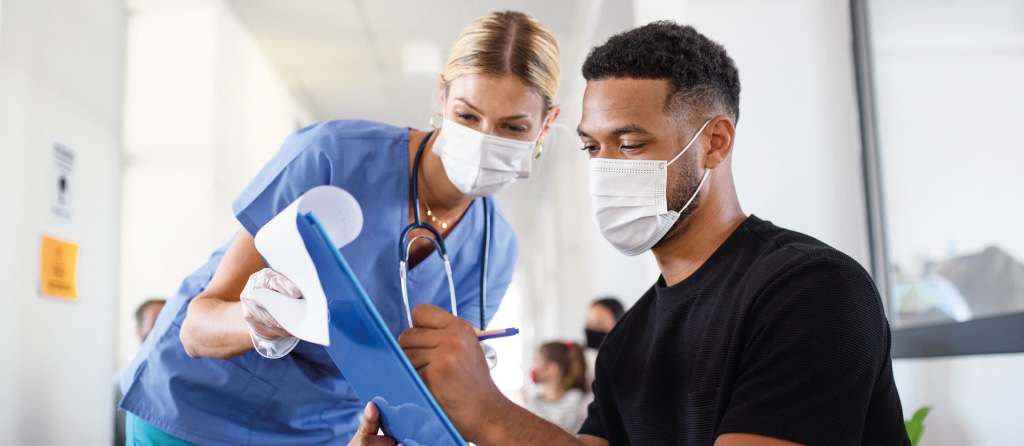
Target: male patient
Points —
{"points": [[753, 335]]}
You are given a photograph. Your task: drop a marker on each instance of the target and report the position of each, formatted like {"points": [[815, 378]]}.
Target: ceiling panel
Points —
{"points": [[336, 55]]}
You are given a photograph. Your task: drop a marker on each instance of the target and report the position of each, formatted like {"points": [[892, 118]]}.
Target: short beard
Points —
{"points": [[686, 187]]}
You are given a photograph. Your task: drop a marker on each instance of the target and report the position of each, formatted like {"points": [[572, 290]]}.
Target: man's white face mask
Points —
{"points": [[628, 200], [480, 164]]}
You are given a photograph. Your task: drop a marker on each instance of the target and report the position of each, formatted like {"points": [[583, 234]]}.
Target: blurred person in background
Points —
{"points": [[218, 369], [601, 317], [145, 317], [559, 371]]}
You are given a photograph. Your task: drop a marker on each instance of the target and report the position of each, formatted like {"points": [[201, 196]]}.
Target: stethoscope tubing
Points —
{"points": [[405, 244]]}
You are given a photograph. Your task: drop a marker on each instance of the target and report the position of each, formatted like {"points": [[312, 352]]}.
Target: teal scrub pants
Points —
{"points": [[137, 432]]}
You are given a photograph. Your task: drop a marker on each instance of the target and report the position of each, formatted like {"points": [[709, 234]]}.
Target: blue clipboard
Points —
{"points": [[368, 355]]}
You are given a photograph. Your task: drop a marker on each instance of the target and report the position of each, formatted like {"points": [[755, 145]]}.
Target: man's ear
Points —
{"points": [[721, 133]]}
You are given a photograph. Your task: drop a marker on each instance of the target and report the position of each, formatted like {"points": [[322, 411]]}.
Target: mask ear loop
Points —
{"points": [[690, 143]]}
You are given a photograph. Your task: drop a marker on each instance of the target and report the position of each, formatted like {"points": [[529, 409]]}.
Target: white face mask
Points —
{"points": [[480, 164], [628, 200]]}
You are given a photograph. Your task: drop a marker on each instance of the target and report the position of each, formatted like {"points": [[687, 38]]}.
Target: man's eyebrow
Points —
{"points": [[624, 130], [631, 128]]}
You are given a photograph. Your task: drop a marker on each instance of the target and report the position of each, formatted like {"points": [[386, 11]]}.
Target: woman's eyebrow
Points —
{"points": [[477, 110]]}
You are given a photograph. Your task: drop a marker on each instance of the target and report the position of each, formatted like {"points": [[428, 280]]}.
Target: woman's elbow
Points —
{"points": [[188, 338]]}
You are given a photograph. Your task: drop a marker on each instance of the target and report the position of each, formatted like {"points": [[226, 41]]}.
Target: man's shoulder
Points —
{"points": [[797, 272], [785, 251]]}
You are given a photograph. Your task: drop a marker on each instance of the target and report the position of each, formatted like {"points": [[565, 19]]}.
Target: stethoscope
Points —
{"points": [[404, 245]]}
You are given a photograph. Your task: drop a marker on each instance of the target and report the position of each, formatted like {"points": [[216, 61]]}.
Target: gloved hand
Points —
{"points": [[268, 337]]}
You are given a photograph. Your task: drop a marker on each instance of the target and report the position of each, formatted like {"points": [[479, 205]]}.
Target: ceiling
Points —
{"points": [[344, 58]]}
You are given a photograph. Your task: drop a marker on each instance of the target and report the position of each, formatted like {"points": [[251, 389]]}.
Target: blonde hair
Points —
{"points": [[503, 43]]}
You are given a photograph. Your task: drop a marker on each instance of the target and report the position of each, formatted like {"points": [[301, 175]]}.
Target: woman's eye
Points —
{"points": [[465, 116], [515, 128]]}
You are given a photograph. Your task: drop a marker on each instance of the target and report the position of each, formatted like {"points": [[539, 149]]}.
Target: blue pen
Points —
{"points": [[499, 333]]}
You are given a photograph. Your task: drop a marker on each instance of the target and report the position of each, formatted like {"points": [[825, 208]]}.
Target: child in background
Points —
{"points": [[560, 372]]}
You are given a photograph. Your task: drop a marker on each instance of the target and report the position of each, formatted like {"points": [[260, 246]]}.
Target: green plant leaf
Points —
{"points": [[915, 425], [921, 413]]}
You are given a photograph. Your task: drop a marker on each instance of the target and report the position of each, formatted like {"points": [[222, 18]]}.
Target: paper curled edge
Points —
{"points": [[284, 250]]}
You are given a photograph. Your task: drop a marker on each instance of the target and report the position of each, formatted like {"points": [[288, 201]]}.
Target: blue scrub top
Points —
{"points": [[302, 398]]}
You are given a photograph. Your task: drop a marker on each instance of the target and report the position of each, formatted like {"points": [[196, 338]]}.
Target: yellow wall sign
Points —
{"points": [[58, 264]]}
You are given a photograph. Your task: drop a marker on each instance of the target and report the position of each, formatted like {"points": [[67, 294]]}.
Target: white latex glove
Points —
{"points": [[268, 337]]}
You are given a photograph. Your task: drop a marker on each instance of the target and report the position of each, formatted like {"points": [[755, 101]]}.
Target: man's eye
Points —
{"points": [[592, 149], [632, 147]]}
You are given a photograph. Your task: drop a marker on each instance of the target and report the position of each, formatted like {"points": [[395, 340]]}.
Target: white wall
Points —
{"points": [[61, 71], [975, 400], [204, 110]]}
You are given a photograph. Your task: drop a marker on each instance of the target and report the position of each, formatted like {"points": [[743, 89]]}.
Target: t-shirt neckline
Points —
{"points": [[707, 270]]}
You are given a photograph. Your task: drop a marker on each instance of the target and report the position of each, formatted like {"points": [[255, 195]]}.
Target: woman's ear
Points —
{"points": [[440, 88], [722, 131], [550, 119]]}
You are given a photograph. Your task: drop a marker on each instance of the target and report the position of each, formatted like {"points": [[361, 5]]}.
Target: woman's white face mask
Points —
{"points": [[480, 164], [629, 203]]}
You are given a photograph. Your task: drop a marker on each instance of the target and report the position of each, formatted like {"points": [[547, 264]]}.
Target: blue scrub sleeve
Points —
{"points": [[298, 166]]}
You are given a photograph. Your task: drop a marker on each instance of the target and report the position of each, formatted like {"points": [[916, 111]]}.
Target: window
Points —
{"points": [[948, 105]]}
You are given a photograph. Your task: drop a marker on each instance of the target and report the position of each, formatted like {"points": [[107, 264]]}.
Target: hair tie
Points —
{"points": [[570, 344]]}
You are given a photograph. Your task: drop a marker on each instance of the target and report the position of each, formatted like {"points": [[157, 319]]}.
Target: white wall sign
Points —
{"points": [[62, 182]]}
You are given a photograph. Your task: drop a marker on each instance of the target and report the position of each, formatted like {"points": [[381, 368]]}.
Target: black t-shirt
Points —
{"points": [[777, 334]]}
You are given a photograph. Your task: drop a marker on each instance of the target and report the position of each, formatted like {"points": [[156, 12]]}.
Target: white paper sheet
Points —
{"points": [[282, 247]]}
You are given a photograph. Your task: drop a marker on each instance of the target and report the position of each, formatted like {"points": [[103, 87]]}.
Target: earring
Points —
{"points": [[435, 126], [540, 150]]}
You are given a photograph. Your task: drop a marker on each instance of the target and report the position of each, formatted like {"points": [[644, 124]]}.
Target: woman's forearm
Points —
{"points": [[214, 328]]}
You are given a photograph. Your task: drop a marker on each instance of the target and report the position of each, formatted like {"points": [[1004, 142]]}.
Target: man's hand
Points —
{"points": [[446, 353]]}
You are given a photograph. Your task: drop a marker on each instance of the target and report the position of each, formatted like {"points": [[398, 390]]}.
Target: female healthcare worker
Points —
{"points": [[198, 378]]}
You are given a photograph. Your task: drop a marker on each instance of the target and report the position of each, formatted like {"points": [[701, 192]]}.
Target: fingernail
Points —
{"points": [[366, 411]]}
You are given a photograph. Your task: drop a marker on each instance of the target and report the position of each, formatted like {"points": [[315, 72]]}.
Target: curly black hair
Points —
{"points": [[702, 74]]}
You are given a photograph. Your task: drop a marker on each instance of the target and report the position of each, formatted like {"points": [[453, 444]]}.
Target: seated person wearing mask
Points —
{"points": [[601, 317], [753, 335]]}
